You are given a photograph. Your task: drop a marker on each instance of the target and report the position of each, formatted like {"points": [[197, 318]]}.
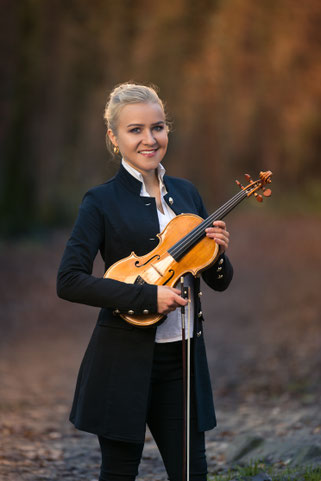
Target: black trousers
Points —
{"points": [[120, 460]]}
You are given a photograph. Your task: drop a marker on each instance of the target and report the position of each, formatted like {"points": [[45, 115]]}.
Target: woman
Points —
{"points": [[130, 376]]}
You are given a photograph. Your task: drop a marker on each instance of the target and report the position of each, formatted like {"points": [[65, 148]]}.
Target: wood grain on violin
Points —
{"points": [[183, 247]]}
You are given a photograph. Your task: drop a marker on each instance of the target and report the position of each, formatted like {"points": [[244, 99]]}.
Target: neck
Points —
{"points": [[150, 180]]}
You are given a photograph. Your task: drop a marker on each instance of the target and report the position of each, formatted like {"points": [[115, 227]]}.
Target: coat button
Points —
{"points": [[200, 314], [219, 269], [200, 294], [131, 312], [221, 261], [116, 312], [145, 311], [199, 333], [220, 276], [171, 200]]}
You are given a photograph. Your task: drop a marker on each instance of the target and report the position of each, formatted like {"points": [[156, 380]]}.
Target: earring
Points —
{"points": [[116, 149]]}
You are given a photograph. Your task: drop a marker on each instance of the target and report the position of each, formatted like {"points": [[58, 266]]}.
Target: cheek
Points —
{"points": [[128, 143], [164, 139]]}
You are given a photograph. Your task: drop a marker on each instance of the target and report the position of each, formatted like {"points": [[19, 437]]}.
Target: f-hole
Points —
{"points": [[145, 263], [172, 274]]}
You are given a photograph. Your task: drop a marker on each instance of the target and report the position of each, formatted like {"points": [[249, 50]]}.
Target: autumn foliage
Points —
{"points": [[242, 82]]}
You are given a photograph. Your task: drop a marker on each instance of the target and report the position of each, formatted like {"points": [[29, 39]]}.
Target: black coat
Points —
{"points": [[113, 382]]}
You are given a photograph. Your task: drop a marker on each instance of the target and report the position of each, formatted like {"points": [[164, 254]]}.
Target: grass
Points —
{"points": [[288, 474]]}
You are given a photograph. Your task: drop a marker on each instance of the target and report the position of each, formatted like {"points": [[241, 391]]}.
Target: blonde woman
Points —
{"points": [[132, 377]]}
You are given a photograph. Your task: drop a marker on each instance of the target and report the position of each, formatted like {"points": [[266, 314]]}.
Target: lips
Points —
{"points": [[148, 151]]}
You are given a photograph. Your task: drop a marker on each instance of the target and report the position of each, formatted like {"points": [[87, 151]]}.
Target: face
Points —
{"points": [[141, 135]]}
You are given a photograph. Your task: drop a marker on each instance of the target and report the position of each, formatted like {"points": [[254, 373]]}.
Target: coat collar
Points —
{"points": [[128, 181], [135, 186]]}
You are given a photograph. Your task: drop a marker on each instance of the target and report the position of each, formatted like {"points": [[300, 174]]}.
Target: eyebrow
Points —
{"points": [[142, 125]]}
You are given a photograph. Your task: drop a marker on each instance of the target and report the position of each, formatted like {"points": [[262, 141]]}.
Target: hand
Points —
{"points": [[219, 234], [168, 299]]}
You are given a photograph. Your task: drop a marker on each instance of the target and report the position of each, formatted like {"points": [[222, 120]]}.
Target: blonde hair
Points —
{"points": [[125, 94]]}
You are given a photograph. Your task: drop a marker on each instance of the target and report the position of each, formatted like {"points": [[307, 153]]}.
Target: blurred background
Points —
{"points": [[242, 85], [241, 79]]}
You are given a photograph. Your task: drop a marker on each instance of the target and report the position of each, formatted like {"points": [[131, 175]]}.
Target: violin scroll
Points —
{"points": [[254, 186]]}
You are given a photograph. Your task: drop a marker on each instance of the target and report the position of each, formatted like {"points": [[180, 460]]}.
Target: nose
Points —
{"points": [[149, 138]]}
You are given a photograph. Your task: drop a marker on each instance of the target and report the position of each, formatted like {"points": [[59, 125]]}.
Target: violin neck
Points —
{"points": [[224, 209], [193, 237]]}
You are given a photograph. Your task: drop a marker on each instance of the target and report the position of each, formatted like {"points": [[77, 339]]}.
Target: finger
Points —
{"points": [[218, 230], [175, 301], [218, 235], [221, 239], [174, 289], [179, 301], [219, 223], [223, 236]]}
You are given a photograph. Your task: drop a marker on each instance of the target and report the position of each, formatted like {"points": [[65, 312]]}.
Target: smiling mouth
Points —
{"points": [[148, 151]]}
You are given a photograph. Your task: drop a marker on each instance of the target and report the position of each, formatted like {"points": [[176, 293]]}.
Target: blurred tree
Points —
{"points": [[242, 81]]}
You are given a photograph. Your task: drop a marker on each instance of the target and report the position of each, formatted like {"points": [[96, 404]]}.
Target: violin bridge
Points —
{"points": [[158, 272]]}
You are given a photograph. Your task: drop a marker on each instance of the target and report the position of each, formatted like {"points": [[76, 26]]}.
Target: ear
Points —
{"points": [[112, 137]]}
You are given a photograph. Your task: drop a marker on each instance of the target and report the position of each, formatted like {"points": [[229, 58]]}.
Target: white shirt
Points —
{"points": [[170, 330]]}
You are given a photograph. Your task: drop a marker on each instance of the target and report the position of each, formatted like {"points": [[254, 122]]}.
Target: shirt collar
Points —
{"points": [[137, 175]]}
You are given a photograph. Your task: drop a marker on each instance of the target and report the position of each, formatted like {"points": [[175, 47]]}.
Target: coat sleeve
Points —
{"points": [[218, 276], [75, 281]]}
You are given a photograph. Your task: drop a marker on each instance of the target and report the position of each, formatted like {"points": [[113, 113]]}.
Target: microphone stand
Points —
{"points": [[186, 384]]}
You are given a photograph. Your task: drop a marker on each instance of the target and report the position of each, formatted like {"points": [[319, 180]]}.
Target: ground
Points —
{"points": [[263, 342]]}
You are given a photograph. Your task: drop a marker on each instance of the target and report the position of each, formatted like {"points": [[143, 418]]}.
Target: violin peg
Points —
{"points": [[248, 177], [267, 192], [259, 198], [239, 184]]}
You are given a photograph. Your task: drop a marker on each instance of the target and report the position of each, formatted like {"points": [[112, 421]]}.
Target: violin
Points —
{"points": [[183, 247]]}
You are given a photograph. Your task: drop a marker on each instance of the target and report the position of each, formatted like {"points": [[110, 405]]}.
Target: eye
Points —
{"points": [[159, 128], [135, 130]]}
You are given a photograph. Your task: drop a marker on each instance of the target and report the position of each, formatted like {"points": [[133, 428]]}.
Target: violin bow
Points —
{"points": [[185, 293]]}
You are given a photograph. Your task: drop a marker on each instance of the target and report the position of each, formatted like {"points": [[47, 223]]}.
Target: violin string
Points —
{"points": [[200, 229], [198, 232], [192, 236], [195, 233]]}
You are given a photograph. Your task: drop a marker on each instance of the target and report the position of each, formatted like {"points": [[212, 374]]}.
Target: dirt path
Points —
{"points": [[263, 339]]}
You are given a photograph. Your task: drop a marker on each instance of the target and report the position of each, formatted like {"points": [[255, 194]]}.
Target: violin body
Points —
{"points": [[158, 267]]}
